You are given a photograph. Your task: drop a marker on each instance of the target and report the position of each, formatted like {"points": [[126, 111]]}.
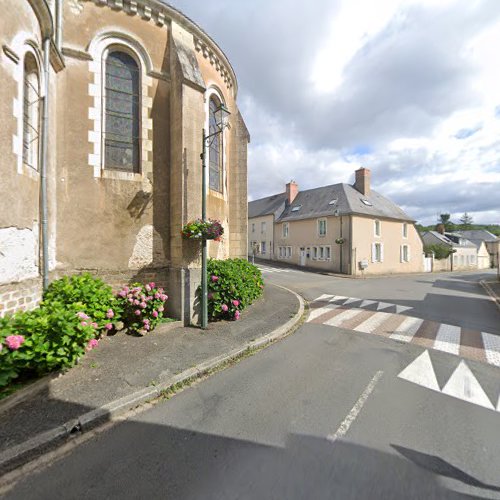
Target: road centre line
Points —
{"points": [[355, 410]]}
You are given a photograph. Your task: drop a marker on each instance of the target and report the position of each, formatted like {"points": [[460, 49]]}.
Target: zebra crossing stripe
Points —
{"points": [[321, 310], [407, 329], [368, 303], [369, 325], [491, 348], [448, 339], [343, 316]]}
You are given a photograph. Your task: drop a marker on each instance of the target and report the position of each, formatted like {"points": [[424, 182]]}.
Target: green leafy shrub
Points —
{"points": [[142, 306], [440, 251], [49, 338], [94, 297], [233, 284]]}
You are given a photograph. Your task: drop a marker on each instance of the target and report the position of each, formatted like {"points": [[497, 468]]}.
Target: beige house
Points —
{"points": [[491, 242], [103, 107], [466, 255], [341, 228]]}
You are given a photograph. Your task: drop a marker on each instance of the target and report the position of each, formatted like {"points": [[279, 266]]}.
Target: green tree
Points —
{"points": [[466, 221]]}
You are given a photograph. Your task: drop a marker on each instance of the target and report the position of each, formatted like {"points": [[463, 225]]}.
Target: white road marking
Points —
{"points": [[421, 372], [491, 348], [343, 316], [383, 305], [498, 405], [351, 300], [323, 297], [321, 310], [400, 309], [448, 339], [407, 329], [373, 322], [368, 303], [464, 385], [353, 414]]}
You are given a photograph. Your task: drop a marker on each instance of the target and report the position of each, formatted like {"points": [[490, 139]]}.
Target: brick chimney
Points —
{"points": [[362, 183], [292, 190], [440, 228]]}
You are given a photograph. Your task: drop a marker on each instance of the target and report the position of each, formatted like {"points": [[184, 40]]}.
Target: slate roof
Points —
{"points": [[478, 234], [274, 204], [448, 239], [316, 203]]}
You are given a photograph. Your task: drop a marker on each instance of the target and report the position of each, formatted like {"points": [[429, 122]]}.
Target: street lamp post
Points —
{"points": [[222, 122]]}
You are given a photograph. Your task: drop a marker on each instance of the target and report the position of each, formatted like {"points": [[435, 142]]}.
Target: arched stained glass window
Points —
{"points": [[122, 119], [31, 112], [215, 149]]}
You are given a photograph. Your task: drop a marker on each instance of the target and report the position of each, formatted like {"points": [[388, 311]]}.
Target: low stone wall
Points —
{"points": [[20, 296]]}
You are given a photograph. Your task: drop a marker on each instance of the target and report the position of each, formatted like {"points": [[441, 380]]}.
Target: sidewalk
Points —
{"points": [[492, 286], [125, 371]]}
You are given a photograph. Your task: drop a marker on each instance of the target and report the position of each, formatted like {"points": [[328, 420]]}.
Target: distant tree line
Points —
{"points": [[465, 223]]}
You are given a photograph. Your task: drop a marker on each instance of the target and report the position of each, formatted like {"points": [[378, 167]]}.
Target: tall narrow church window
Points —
{"points": [[215, 150], [122, 119], [31, 112]]}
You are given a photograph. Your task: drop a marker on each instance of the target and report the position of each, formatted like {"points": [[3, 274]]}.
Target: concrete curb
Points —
{"points": [[20, 454], [491, 293]]}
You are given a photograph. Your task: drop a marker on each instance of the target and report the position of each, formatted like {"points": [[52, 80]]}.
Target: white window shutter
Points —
{"points": [[381, 252], [401, 254], [373, 252]]}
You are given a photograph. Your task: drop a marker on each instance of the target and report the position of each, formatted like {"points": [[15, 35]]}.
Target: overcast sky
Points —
{"points": [[407, 88]]}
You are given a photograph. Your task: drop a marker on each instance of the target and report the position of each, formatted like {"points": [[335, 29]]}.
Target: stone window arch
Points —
{"points": [[31, 111]]}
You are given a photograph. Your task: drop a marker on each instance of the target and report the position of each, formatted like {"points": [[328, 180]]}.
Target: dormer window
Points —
{"points": [[296, 208]]}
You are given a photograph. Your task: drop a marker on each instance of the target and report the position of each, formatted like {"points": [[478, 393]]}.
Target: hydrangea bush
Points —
{"points": [[233, 284], [142, 306], [75, 312]]}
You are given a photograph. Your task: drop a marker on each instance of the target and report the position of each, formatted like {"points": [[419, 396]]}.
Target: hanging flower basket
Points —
{"points": [[209, 229], [340, 241]]}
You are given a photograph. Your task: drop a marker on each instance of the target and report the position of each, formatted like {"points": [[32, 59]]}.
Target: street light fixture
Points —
{"points": [[221, 122]]}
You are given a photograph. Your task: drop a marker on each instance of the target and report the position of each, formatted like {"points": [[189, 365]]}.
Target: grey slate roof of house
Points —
{"points": [[316, 203], [447, 239], [274, 204], [478, 234]]}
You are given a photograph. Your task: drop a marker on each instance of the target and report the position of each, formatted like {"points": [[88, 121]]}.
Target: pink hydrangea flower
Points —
{"points": [[123, 294], [155, 314], [143, 305], [148, 288], [131, 300], [92, 343], [108, 326], [94, 325], [110, 314], [214, 278], [136, 302], [147, 327], [152, 284], [161, 309], [137, 312], [164, 297], [237, 314], [1, 347], [157, 295], [210, 296], [84, 323], [235, 303], [14, 342], [82, 315], [145, 321], [224, 307]]}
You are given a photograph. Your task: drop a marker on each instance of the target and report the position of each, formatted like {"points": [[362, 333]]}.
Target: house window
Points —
{"points": [[31, 112], [405, 253], [262, 227], [315, 253], [377, 228], [405, 230], [321, 253], [327, 253], [288, 252], [285, 252], [253, 228], [122, 119], [377, 252], [285, 229], [262, 247], [215, 148], [322, 227]]}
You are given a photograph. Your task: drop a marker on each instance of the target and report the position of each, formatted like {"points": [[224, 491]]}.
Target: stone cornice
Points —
{"points": [[161, 14]]}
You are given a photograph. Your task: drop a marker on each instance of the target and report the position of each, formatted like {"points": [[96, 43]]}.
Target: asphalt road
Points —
{"points": [[327, 413]]}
